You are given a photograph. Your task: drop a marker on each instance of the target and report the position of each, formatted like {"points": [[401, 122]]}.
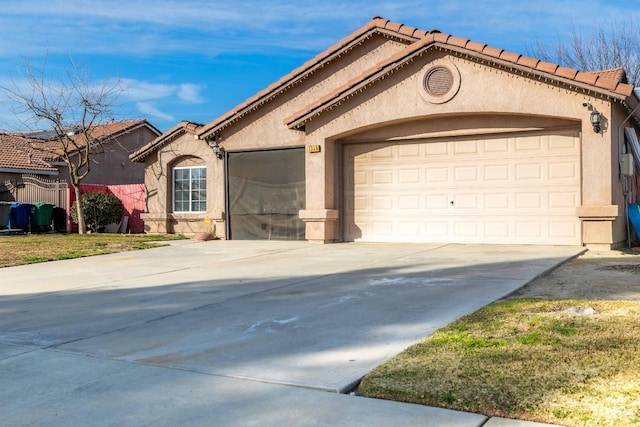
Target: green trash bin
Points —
{"points": [[41, 217]]}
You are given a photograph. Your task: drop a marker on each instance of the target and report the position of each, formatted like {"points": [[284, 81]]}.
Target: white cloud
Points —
{"points": [[136, 90], [147, 26], [150, 109], [146, 98], [206, 27], [190, 93]]}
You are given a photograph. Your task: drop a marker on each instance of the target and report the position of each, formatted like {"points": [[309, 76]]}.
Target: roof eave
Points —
{"points": [[632, 103], [31, 171]]}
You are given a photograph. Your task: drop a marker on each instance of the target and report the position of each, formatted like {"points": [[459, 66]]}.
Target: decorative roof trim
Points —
{"points": [[593, 82]]}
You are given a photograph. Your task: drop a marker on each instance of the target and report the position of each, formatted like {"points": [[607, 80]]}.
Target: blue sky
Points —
{"points": [[196, 59]]}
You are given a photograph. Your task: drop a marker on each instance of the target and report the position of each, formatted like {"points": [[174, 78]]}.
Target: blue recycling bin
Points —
{"points": [[19, 216], [5, 209], [633, 211]]}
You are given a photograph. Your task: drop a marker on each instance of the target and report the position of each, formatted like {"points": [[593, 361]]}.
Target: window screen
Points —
{"points": [[266, 191]]}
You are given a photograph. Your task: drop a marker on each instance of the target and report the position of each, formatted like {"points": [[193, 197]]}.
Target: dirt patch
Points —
{"points": [[610, 275]]}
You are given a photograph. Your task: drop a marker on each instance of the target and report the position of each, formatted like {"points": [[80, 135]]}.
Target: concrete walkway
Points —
{"points": [[238, 332]]}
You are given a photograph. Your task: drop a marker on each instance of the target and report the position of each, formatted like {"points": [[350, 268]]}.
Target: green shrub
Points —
{"points": [[100, 209]]}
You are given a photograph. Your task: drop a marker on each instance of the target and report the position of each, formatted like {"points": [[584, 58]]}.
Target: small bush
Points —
{"points": [[100, 209]]}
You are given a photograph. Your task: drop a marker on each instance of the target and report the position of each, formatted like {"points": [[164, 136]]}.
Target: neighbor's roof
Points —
{"points": [[17, 150], [112, 130], [16, 154]]}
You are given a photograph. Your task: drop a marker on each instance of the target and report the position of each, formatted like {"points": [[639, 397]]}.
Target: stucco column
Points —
{"points": [[598, 213], [216, 197], [321, 220]]}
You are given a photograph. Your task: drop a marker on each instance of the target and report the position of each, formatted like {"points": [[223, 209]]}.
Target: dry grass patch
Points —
{"points": [[33, 248], [568, 362]]}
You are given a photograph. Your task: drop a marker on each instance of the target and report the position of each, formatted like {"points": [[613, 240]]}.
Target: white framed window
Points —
{"points": [[190, 189]]}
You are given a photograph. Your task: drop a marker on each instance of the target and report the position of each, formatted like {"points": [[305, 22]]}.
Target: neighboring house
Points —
{"points": [[396, 134], [35, 175], [110, 162]]}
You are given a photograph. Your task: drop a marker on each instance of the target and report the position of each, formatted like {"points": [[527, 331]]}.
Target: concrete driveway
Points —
{"points": [[238, 332]]}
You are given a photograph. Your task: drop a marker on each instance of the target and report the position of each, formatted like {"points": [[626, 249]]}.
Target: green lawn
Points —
{"points": [[33, 248], [567, 362]]}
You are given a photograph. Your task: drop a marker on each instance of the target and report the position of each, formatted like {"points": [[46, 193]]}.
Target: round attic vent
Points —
{"points": [[441, 81], [438, 81]]}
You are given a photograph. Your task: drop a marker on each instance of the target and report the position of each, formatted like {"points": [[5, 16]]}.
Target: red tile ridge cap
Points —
{"points": [[618, 74]]}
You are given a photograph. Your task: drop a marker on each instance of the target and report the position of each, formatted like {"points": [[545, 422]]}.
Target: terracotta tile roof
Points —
{"points": [[610, 83], [170, 135], [17, 151], [114, 129], [104, 132], [377, 25]]}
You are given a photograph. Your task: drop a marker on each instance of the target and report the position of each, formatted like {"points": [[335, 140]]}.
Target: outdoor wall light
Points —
{"points": [[217, 150], [595, 120]]}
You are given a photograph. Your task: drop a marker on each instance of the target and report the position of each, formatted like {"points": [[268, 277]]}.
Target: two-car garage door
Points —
{"points": [[514, 189]]}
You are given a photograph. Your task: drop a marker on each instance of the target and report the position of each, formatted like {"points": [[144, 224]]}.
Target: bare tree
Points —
{"points": [[611, 46], [70, 107]]}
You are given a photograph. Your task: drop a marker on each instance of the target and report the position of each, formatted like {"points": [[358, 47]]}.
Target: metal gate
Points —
{"points": [[32, 189]]}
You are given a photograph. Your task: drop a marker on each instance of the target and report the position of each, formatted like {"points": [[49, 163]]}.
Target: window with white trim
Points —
{"points": [[190, 189]]}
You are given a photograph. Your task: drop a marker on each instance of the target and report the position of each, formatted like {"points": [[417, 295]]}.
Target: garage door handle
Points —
{"points": [[451, 203]]}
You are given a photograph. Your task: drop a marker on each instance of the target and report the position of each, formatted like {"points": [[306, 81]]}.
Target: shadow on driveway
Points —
{"points": [[290, 313]]}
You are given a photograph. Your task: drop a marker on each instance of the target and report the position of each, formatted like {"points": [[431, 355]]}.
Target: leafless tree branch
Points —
{"points": [[610, 46], [70, 105]]}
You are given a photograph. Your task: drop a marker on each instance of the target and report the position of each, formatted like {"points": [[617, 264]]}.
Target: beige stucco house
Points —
{"points": [[395, 134]]}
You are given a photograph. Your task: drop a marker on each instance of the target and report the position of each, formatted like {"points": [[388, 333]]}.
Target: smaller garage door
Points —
{"points": [[519, 189]]}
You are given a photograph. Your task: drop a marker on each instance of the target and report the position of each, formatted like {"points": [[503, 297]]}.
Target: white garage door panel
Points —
{"points": [[503, 190]]}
